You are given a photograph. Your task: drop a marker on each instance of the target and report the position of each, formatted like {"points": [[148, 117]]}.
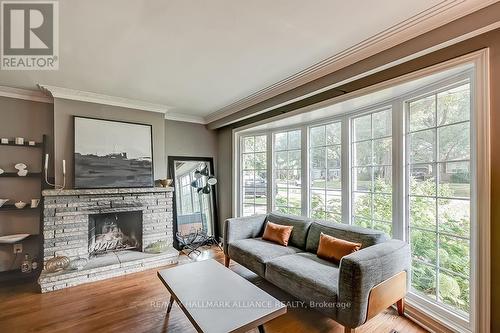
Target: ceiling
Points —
{"points": [[197, 57]]}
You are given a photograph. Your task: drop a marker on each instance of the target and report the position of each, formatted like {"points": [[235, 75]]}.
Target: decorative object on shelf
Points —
{"points": [[34, 263], [22, 169], [20, 204], [35, 203], [1, 171], [157, 247], [110, 154], [78, 263], [46, 173], [34, 241], [19, 141], [56, 264], [11, 239], [20, 166], [26, 264], [166, 182]]}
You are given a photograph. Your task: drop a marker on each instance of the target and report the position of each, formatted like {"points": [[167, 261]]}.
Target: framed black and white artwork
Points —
{"points": [[112, 154]]}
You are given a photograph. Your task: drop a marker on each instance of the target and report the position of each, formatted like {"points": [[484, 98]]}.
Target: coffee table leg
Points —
{"points": [[170, 304], [261, 329]]}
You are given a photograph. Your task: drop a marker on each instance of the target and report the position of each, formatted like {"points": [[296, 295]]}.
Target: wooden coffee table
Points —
{"points": [[217, 300]]}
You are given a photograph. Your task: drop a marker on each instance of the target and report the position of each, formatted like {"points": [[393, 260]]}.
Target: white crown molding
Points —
{"points": [[85, 96], [28, 95], [430, 19], [185, 118]]}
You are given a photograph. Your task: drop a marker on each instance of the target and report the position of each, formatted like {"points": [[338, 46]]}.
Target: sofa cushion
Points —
{"points": [[351, 233], [277, 233], [333, 249], [254, 253], [300, 226], [307, 277]]}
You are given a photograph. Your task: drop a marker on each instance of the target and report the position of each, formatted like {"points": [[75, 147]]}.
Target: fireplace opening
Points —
{"points": [[115, 232]]}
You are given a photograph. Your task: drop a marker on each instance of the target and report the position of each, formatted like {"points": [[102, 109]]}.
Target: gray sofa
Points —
{"points": [[365, 283]]}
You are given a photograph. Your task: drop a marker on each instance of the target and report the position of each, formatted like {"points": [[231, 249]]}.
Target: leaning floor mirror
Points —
{"points": [[195, 206]]}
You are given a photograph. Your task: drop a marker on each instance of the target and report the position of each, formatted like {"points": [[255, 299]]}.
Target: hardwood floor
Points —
{"points": [[138, 303]]}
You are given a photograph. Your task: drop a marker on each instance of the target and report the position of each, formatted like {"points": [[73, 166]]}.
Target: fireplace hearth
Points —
{"points": [[114, 232], [110, 228]]}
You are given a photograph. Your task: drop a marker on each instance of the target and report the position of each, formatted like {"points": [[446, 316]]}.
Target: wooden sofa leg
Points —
{"points": [[226, 260], [349, 330], [401, 306]]}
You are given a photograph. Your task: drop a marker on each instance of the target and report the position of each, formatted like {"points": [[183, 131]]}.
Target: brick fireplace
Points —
{"points": [[110, 227]]}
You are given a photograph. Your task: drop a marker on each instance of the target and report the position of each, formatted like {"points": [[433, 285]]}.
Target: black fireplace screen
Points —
{"points": [[115, 231]]}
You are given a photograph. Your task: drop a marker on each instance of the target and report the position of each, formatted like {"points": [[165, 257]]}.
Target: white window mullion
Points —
{"points": [[346, 170], [242, 181], [270, 172], [398, 171], [304, 161]]}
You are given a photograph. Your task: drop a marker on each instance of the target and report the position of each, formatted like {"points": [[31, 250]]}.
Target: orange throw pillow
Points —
{"points": [[277, 233], [333, 249]]}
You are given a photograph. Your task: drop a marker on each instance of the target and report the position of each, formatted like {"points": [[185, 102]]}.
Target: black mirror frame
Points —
{"points": [[171, 175]]}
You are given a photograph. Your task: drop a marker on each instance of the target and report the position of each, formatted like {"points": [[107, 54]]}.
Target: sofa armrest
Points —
{"points": [[242, 228], [363, 270]]}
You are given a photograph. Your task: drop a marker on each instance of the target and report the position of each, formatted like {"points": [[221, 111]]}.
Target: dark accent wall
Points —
{"points": [[64, 110], [190, 139], [195, 140], [30, 120]]}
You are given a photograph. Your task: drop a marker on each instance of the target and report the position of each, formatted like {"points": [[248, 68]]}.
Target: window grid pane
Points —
{"points": [[253, 175], [439, 196], [371, 171], [325, 172], [287, 172]]}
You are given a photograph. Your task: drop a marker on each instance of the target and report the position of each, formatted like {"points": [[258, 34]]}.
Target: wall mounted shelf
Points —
{"points": [[15, 175], [16, 238], [12, 143], [16, 274], [12, 207]]}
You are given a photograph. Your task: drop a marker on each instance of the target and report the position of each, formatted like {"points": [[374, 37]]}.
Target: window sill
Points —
{"points": [[430, 321]]}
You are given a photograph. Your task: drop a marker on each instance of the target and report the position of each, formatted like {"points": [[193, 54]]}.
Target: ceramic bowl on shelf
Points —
{"points": [[20, 204], [11, 239], [22, 173], [20, 166], [3, 201]]}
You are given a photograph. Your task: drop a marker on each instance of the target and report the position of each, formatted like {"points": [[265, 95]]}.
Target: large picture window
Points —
{"points": [[439, 188], [404, 166], [325, 158], [287, 172], [254, 175], [371, 171]]}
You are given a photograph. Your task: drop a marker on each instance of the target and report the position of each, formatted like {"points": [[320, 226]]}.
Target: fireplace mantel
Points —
{"points": [[66, 231], [106, 191]]}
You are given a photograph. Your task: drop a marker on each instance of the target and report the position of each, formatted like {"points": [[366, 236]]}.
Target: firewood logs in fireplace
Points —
{"points": [[112, 240]]}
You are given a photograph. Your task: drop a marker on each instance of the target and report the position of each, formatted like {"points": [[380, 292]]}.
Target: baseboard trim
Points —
{"points": [[424, 320]]}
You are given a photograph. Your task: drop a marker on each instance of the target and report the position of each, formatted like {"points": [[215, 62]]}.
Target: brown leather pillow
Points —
{"points": [[333, 249], [277, 233]]}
